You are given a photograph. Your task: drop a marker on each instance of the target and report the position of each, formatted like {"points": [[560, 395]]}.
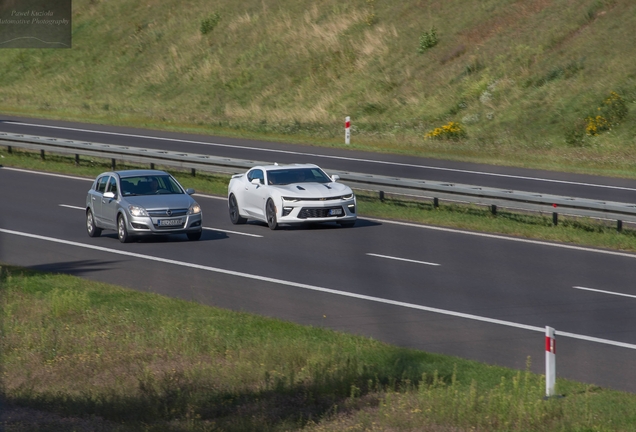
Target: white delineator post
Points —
{"points": [[550, 361], [347, 130]]}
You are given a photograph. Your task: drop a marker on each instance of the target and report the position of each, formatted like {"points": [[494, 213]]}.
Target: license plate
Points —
{"points": [[169, 222], [335, 212]]}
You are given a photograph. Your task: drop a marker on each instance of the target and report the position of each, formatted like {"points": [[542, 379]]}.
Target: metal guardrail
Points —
{"points": [[493, 197]]}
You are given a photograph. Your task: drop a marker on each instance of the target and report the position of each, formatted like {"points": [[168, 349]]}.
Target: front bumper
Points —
{"points": [[317, 211], [147, 225]]}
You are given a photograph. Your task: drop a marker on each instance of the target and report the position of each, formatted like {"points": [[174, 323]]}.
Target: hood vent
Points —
{"points": [[328, 187], [300, 188]]}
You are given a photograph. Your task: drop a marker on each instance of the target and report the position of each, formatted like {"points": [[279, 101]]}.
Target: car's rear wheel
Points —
{"points": [[270, 211], [235, 215], [194, 236], [91, 228], [122, 231]]}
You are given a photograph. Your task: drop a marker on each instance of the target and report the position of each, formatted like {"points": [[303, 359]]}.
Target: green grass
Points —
{"points": [[105, 358], [520, 77], [580, 231]]}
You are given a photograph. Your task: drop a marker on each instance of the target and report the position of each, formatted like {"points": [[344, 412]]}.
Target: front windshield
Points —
{"points": [[296, 175], [149, 185]]}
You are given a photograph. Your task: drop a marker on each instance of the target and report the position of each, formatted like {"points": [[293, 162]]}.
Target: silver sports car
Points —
{"points": [[139, 203], [290, 194]]}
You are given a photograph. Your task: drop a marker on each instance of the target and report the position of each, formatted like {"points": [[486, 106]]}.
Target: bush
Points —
{"points": [[450, 131], [612, 111], [427, 40], [208, 24]]}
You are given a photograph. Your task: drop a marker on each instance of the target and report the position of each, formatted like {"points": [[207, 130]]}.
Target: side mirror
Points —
{"points": [[109, 195], [256, 181], [190, 191], [335, 177]]}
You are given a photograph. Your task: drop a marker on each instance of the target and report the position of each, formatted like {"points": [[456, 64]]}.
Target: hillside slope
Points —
{"points": [[525, 80]]}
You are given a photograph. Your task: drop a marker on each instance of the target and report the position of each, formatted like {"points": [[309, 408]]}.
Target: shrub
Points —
{"points": [[208, 24], [612, 111], [450, 131], [427, 40]]}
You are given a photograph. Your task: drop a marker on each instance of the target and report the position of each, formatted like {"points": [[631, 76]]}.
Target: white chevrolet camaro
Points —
{"points": [[290, 194]]}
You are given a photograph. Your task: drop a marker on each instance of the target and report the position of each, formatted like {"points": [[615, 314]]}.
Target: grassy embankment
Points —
{"points": [[80, 355], [521, 77]]}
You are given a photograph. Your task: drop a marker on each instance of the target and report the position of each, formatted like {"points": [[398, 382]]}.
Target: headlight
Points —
{"points": [[194, 209], [291, 199], [346, 197], [137, 211]]}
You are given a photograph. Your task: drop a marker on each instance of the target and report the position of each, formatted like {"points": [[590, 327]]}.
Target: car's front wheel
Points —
{"points": [[235, 215], [270, 211], [91, 228], [122, 231]]}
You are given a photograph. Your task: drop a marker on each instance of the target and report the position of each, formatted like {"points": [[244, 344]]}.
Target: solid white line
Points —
{"points": [[206, 228], [604, 292], [318, 289], [46, 173], [403, 259], [329, 156], [233, 232], [502, 237], [210, 197]]}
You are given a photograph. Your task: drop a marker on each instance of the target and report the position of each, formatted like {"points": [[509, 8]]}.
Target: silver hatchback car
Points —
{"points": [[140, 203]]}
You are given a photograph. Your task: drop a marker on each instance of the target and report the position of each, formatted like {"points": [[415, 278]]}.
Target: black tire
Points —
{"points": [[122, 230], [194, 236], [270, 212], [347, 224], [233, 208], [91, 228]]}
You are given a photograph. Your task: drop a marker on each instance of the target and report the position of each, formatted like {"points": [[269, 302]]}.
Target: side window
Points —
{"points": [[112, 185], [256, 174], [101, 184]]}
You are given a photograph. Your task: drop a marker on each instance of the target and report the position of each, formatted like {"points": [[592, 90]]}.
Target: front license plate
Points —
{"points": [[170, 222], [335, 212]]}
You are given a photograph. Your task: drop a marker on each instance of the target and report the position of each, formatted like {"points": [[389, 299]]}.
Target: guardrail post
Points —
{"points": [[42, 154], [152, 165], [194, 172], [555, 218], [381, 195], [10, 150], [435, 202], [493, 209], [77, 159], [619, 225], [113, 165], [550, 361]]}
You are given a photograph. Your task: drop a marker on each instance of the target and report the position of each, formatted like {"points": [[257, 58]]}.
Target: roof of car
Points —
{"points": [[139, 172], [286, 166]]}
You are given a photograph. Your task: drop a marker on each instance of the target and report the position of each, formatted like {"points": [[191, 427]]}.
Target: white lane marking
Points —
{"points": [[330, 157], [232, 232], [211, 197], [403, 259], [319, 289], [46, 173], [604, 292], [206, 228], [502, 237]]}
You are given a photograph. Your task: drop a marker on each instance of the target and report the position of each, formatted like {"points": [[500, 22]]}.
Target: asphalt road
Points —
{"points": [[477, 296], [564, 184]]}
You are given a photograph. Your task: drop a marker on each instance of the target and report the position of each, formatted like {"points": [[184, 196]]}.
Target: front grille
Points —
{"points": [[162, 213], [320, 212], [168, 227]]}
